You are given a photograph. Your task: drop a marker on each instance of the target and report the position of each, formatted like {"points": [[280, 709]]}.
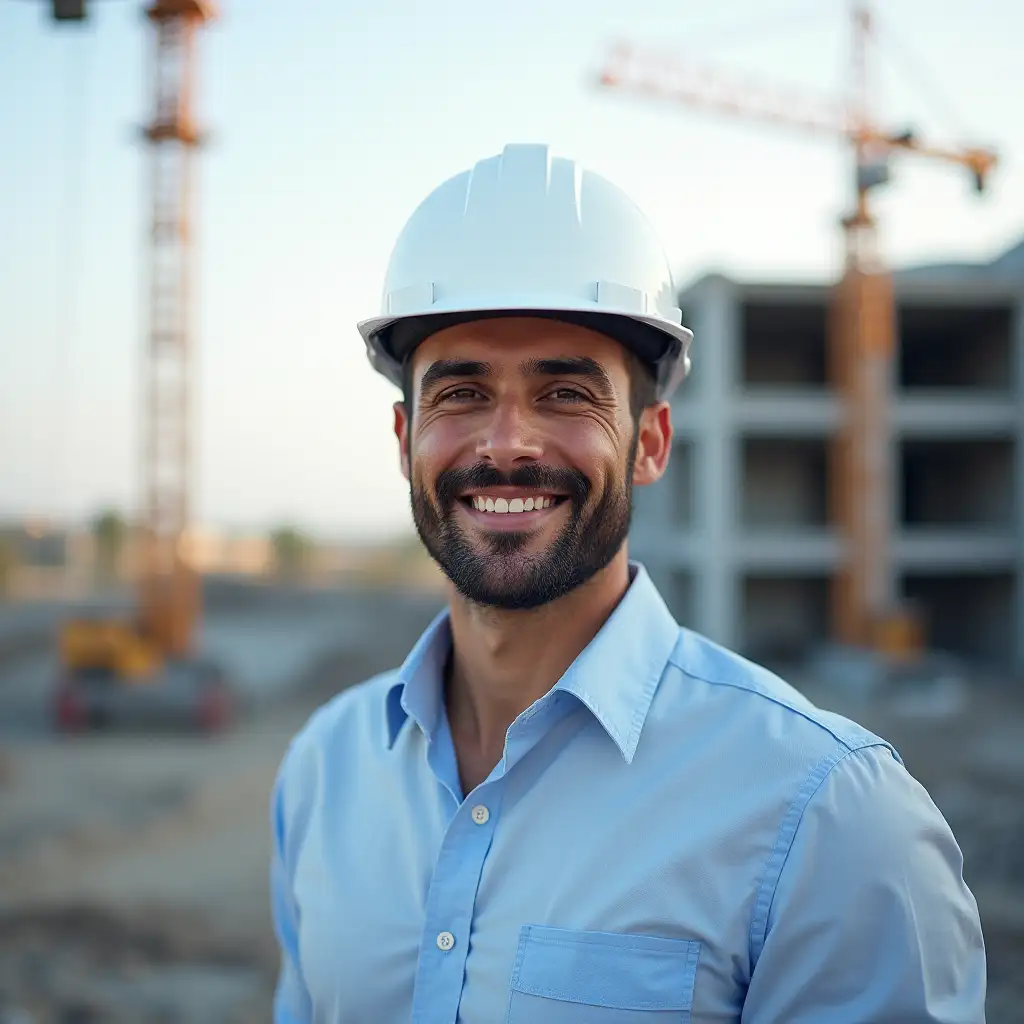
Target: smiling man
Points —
{"points": [[564, 807], [519, 520]]}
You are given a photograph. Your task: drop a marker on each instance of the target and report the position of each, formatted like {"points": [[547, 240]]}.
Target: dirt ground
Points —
{"points": [[133, 868], [134, 887], [133, 881]]}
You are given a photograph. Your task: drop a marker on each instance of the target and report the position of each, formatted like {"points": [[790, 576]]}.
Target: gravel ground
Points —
{"points": [[133, 869]]}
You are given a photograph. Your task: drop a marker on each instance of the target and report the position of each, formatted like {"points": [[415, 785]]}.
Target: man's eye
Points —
{"points": [[567, 395], [459, 394]]}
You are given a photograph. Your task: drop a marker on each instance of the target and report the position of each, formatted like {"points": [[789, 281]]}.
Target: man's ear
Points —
{"points": [[402, 434], [654, 444]]}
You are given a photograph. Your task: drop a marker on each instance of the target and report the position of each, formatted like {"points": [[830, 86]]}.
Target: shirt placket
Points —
{"points": [[451, 898], [448, 917]]}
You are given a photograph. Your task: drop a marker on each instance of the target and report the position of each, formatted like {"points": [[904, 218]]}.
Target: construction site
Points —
{"points": [[742, 530], [844, 503]]}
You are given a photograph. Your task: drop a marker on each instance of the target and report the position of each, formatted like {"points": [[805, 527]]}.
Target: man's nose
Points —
{"points": [[509, 438]]}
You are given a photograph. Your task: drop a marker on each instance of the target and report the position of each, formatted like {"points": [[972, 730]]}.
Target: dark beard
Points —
{"points": [[497, 572]]}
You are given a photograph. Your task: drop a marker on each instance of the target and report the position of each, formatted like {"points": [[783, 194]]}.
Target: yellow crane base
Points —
{"points": [[109, 645]]}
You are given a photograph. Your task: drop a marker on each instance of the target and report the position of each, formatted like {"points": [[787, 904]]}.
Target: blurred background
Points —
{"points": [[203, 528]]}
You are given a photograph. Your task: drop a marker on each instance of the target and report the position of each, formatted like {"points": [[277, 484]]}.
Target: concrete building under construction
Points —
{"points": [[738, 534]]}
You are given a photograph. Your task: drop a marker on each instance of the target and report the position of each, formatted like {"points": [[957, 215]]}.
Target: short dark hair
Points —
{"points": [[643, 386]]}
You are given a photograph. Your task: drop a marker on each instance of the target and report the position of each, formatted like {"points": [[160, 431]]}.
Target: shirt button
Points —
{"points": [[445, 941], [481, 814]]}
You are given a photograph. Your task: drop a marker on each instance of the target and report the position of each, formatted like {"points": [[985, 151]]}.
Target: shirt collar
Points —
{"points": [[615, 675], [418, 689]]}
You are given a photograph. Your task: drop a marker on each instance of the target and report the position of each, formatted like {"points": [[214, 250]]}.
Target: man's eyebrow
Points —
{"points": [[451, 369], [572, 366]]}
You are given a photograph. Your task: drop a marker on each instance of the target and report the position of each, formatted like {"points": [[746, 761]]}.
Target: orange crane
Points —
{"points": [[168, 602], [170, 593], [865, 612]]}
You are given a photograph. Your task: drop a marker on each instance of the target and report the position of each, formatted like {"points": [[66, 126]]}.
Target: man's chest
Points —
{"points": [[542, 898]]}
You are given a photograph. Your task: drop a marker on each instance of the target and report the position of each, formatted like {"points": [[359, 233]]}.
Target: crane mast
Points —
{"points": [[135, 651], [169, 587], [863, 341]]}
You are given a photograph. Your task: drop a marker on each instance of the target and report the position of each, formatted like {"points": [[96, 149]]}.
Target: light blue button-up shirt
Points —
{"points": [[673, 834]]}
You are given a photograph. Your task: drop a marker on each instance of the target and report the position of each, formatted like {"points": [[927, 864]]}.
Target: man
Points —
{"points": [[564, 808]]}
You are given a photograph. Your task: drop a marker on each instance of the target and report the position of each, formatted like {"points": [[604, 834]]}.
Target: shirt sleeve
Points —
{"points": [[870, 919], [292, 1004]]}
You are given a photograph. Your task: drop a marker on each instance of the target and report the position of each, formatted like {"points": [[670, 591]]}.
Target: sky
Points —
{"points": [[329, 123]]}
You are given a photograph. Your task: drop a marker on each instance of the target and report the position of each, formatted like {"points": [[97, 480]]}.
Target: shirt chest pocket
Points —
{"points": [[575, 977]]}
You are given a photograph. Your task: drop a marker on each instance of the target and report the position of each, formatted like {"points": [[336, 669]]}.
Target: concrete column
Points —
{"points": [[664, 496], [651, 516], [716, 344], [1018, 469], [893, 468]]}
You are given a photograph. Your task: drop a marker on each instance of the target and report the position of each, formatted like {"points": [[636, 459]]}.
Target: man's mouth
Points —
{"points": [[505, 504]]}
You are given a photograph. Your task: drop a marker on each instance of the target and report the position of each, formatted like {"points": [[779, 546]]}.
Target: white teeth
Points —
{"points": [[503, 506]]}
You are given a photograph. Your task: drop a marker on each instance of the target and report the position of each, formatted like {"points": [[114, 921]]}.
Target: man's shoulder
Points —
{"points": [[775, 711], [344, 722]]}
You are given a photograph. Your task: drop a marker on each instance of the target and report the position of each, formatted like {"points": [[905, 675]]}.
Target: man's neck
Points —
{"points": [[504, 661]]}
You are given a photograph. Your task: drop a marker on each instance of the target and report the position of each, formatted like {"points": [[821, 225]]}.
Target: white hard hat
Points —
{"points": [[529, 232]]}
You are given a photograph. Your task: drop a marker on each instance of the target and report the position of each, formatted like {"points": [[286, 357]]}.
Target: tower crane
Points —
{"points": [[865, 612], [162, 630], [169, 600]]}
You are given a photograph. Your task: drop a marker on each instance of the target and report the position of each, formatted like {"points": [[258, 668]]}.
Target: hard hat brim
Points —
{"points": [[663, 345]]}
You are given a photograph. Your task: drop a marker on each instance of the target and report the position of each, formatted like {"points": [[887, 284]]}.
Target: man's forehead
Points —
{"points": [[515, 345]]}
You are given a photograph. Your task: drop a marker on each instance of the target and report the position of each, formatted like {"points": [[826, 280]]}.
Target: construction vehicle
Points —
{"points": [[866, 614], [146, 668]]}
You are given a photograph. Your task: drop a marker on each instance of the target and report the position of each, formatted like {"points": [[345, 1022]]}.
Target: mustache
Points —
{"points": [[451, 483]]}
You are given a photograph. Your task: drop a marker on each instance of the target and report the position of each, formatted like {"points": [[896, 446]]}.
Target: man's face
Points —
{"points": [[521, 456]]}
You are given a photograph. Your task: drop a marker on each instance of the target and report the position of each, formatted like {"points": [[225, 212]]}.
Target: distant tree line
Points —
{"points": [[110, 532], [293, 551]]}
